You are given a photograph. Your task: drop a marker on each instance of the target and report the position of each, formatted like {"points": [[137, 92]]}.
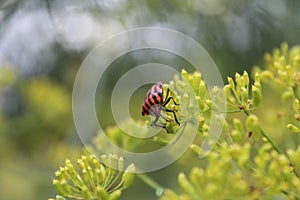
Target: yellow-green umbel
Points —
{"points": [[92, 179]]}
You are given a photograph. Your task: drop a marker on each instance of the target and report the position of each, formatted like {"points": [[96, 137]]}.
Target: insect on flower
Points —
{"points": [[154, 104]]}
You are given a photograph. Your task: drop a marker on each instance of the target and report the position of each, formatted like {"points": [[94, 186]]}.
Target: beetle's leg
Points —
{"points": [[168, 99], [166, 119], [154, 123], [172, 111]]}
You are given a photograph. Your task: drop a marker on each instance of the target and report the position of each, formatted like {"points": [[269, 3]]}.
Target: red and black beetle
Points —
{"points": [[154, 103]]}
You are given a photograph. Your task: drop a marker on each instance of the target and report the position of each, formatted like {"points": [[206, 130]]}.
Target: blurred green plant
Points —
{"points": [[44, 116], [247, 162], [232, 173]]}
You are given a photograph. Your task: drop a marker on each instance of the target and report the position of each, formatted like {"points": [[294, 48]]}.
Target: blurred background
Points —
{"points": [[43, 43]]}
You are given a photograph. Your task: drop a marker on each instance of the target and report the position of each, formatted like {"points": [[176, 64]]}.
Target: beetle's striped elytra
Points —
{"points": [[154, 103]]}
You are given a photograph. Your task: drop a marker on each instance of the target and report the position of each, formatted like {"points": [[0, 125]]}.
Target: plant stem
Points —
{"points": [[270, 140], [153, 184], [276, 147]]}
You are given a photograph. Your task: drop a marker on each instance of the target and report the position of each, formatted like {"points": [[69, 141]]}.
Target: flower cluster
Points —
{"points": [[119, 137], [282, 66], [238, 92], [282, 70], [240, 165], [195, 102], [232, 174], [94, 179]]}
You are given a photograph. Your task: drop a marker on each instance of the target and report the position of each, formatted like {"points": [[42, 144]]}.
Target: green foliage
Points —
{"points": [[232, 173], [43, 118], [94, 180], [247, 162]]}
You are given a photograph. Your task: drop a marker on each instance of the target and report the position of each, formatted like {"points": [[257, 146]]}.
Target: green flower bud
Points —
{"points": [[246, 79], [237, 136], [170, 127], [258, 85], [113, 160], [171, 86], [288, 70], [252, 125], [296, 60], [205, 129], [103, 171], [186, 97], [197, 177], [251, 121], [284, 48], [128, 176], [184, 74], [226, 91], [185, 184], [176, 78], [121, 164], [197, 78], [267, 75], [293, 128], [190, 78], [238, 80], [81, 163], [200, 103], [115, 195], [244, 95], [209, 103], [201, 121], [196, 149], [283, 75], [58, 197], [58, 174], [268, 58], [202, 89], [287, 96], [231, 83], [282, 61], [277, 66], [256, 96], [297, 116], [237, 124]]}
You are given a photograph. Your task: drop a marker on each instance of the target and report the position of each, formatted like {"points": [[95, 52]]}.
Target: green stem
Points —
{"points": [[270, 140], [264, 133], [295, 92], [291, 193], [153, 184], [276, 147]]}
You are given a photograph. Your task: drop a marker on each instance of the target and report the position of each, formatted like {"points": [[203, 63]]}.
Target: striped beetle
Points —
{"points": [[154, 104]]}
